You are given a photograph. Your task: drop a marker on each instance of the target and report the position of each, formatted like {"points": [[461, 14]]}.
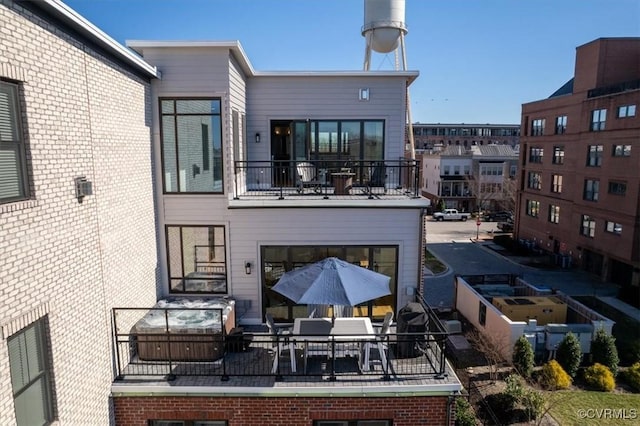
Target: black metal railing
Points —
{"points": [[328, 178], [142, 353]]}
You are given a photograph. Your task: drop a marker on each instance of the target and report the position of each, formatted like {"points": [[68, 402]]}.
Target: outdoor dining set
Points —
{"points": [[337, 284]]}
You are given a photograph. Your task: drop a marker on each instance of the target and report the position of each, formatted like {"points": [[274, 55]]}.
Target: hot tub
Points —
{"points": [[184, 329]]}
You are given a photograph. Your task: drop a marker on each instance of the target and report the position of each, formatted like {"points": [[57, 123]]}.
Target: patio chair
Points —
{"points": [[280, 335], [308, 177], [380, 343]]}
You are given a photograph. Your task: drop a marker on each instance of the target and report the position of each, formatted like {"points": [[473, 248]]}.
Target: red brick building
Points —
{"points": [[580, 176]]}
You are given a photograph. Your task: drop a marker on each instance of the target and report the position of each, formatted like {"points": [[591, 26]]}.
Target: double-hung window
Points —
{"points": [[533, 208], [622, 150], [594, 156], [536, 154], [537, 127], [558, 155], [598, 119], [556, 184], [554, 213], [617, 187], [591, 188], [30, 375], [535, 180], [561, 124], [13, 168], [191, 145], [588, 226]]}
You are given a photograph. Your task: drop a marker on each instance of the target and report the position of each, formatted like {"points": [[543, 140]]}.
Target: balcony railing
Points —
{"points": [[327, 179], [167, 354]]}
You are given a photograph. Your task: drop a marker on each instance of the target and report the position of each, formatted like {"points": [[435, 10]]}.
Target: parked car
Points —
{"points": [[505, 226], [501, 216], [451, 214]]}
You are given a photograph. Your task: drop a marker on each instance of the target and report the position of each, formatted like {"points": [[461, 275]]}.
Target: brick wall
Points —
{"points": [[83, 115], [283, 411]]}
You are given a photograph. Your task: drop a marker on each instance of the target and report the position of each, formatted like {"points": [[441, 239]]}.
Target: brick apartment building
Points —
{"points": [[580, 157], [430, 136]]}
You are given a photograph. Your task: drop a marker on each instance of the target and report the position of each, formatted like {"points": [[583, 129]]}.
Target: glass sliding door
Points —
{"points": [[276, 260]]}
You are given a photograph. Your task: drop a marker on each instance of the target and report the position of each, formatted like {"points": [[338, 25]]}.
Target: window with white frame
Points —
{"points": [[588, 226], [467, 169], [613, 228], [533, 208], [558, 155], [561, 124], [626, 111], [556, 184], [191, 137], [537, 127], [456, 169], [554, 214], [447, 170], [13, 164], [594, 155], [31, 375], [622, 150], [598, 119], [196, 256], [535, 180], [617, 187], [591, 188]]}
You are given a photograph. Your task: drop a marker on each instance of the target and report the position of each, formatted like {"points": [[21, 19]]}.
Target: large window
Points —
{"points": [[556, 184], [536, 154], [598, 119], [537, 127], [594, 155], [588, 226], [554, 214], [558, 155], [561, 124], [13, 169], [535, 180], [340, 140], [591, 188], [197, 259], [613, 227], [191, 145], [533, 208], [31, 375], [276, 260]]}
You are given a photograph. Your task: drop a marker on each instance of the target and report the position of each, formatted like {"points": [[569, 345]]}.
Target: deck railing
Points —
{"points": [[328, 178], [164, 353]]}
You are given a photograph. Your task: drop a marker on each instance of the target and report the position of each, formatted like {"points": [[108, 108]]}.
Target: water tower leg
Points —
{"points": [[367, 52]]}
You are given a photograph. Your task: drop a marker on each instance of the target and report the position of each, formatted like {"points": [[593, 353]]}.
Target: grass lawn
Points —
{"points": [[432, 263], [587, 408]]}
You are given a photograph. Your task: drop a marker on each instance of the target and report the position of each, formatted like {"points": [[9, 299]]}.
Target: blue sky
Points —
{"points": [[479, 60]]}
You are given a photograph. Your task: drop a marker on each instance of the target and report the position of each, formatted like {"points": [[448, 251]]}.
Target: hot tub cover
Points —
{"points": [[186, 316]]}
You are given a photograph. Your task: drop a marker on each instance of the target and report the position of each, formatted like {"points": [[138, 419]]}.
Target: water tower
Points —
{"points": [[384, 29]]}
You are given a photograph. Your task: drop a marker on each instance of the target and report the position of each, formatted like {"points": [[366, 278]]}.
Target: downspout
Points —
{"points": [[422, 243]]}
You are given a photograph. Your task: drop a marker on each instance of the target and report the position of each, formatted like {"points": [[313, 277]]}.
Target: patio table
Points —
{"points": [[343, 330]]}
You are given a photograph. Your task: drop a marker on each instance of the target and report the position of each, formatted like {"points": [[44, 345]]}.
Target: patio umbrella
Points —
{"points": [[332, 282]]}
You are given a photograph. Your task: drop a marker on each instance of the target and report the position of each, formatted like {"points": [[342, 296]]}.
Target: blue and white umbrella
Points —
{"points": [[332, 282]]}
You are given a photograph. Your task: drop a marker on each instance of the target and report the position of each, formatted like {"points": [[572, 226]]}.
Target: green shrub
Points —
{"points": [[603, 350], [553, 376], [464, 413], [599, 377], [523, 357], [533, 403], [632, 376], [569, 354]]}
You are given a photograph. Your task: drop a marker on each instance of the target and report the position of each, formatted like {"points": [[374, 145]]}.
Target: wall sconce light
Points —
{"points": [[247, 267], [83, 188], [363, 94], [257, 137]]}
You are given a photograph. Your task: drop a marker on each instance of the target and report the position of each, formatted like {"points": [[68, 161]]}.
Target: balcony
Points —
{"points": [[259, 359], [327, 179]]}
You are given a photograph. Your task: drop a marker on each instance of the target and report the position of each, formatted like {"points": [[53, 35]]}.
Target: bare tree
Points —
{"points": [[493, 348]]}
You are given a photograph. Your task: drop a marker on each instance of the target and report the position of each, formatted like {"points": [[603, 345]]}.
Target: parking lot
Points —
{"points": [[458, 231]]}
